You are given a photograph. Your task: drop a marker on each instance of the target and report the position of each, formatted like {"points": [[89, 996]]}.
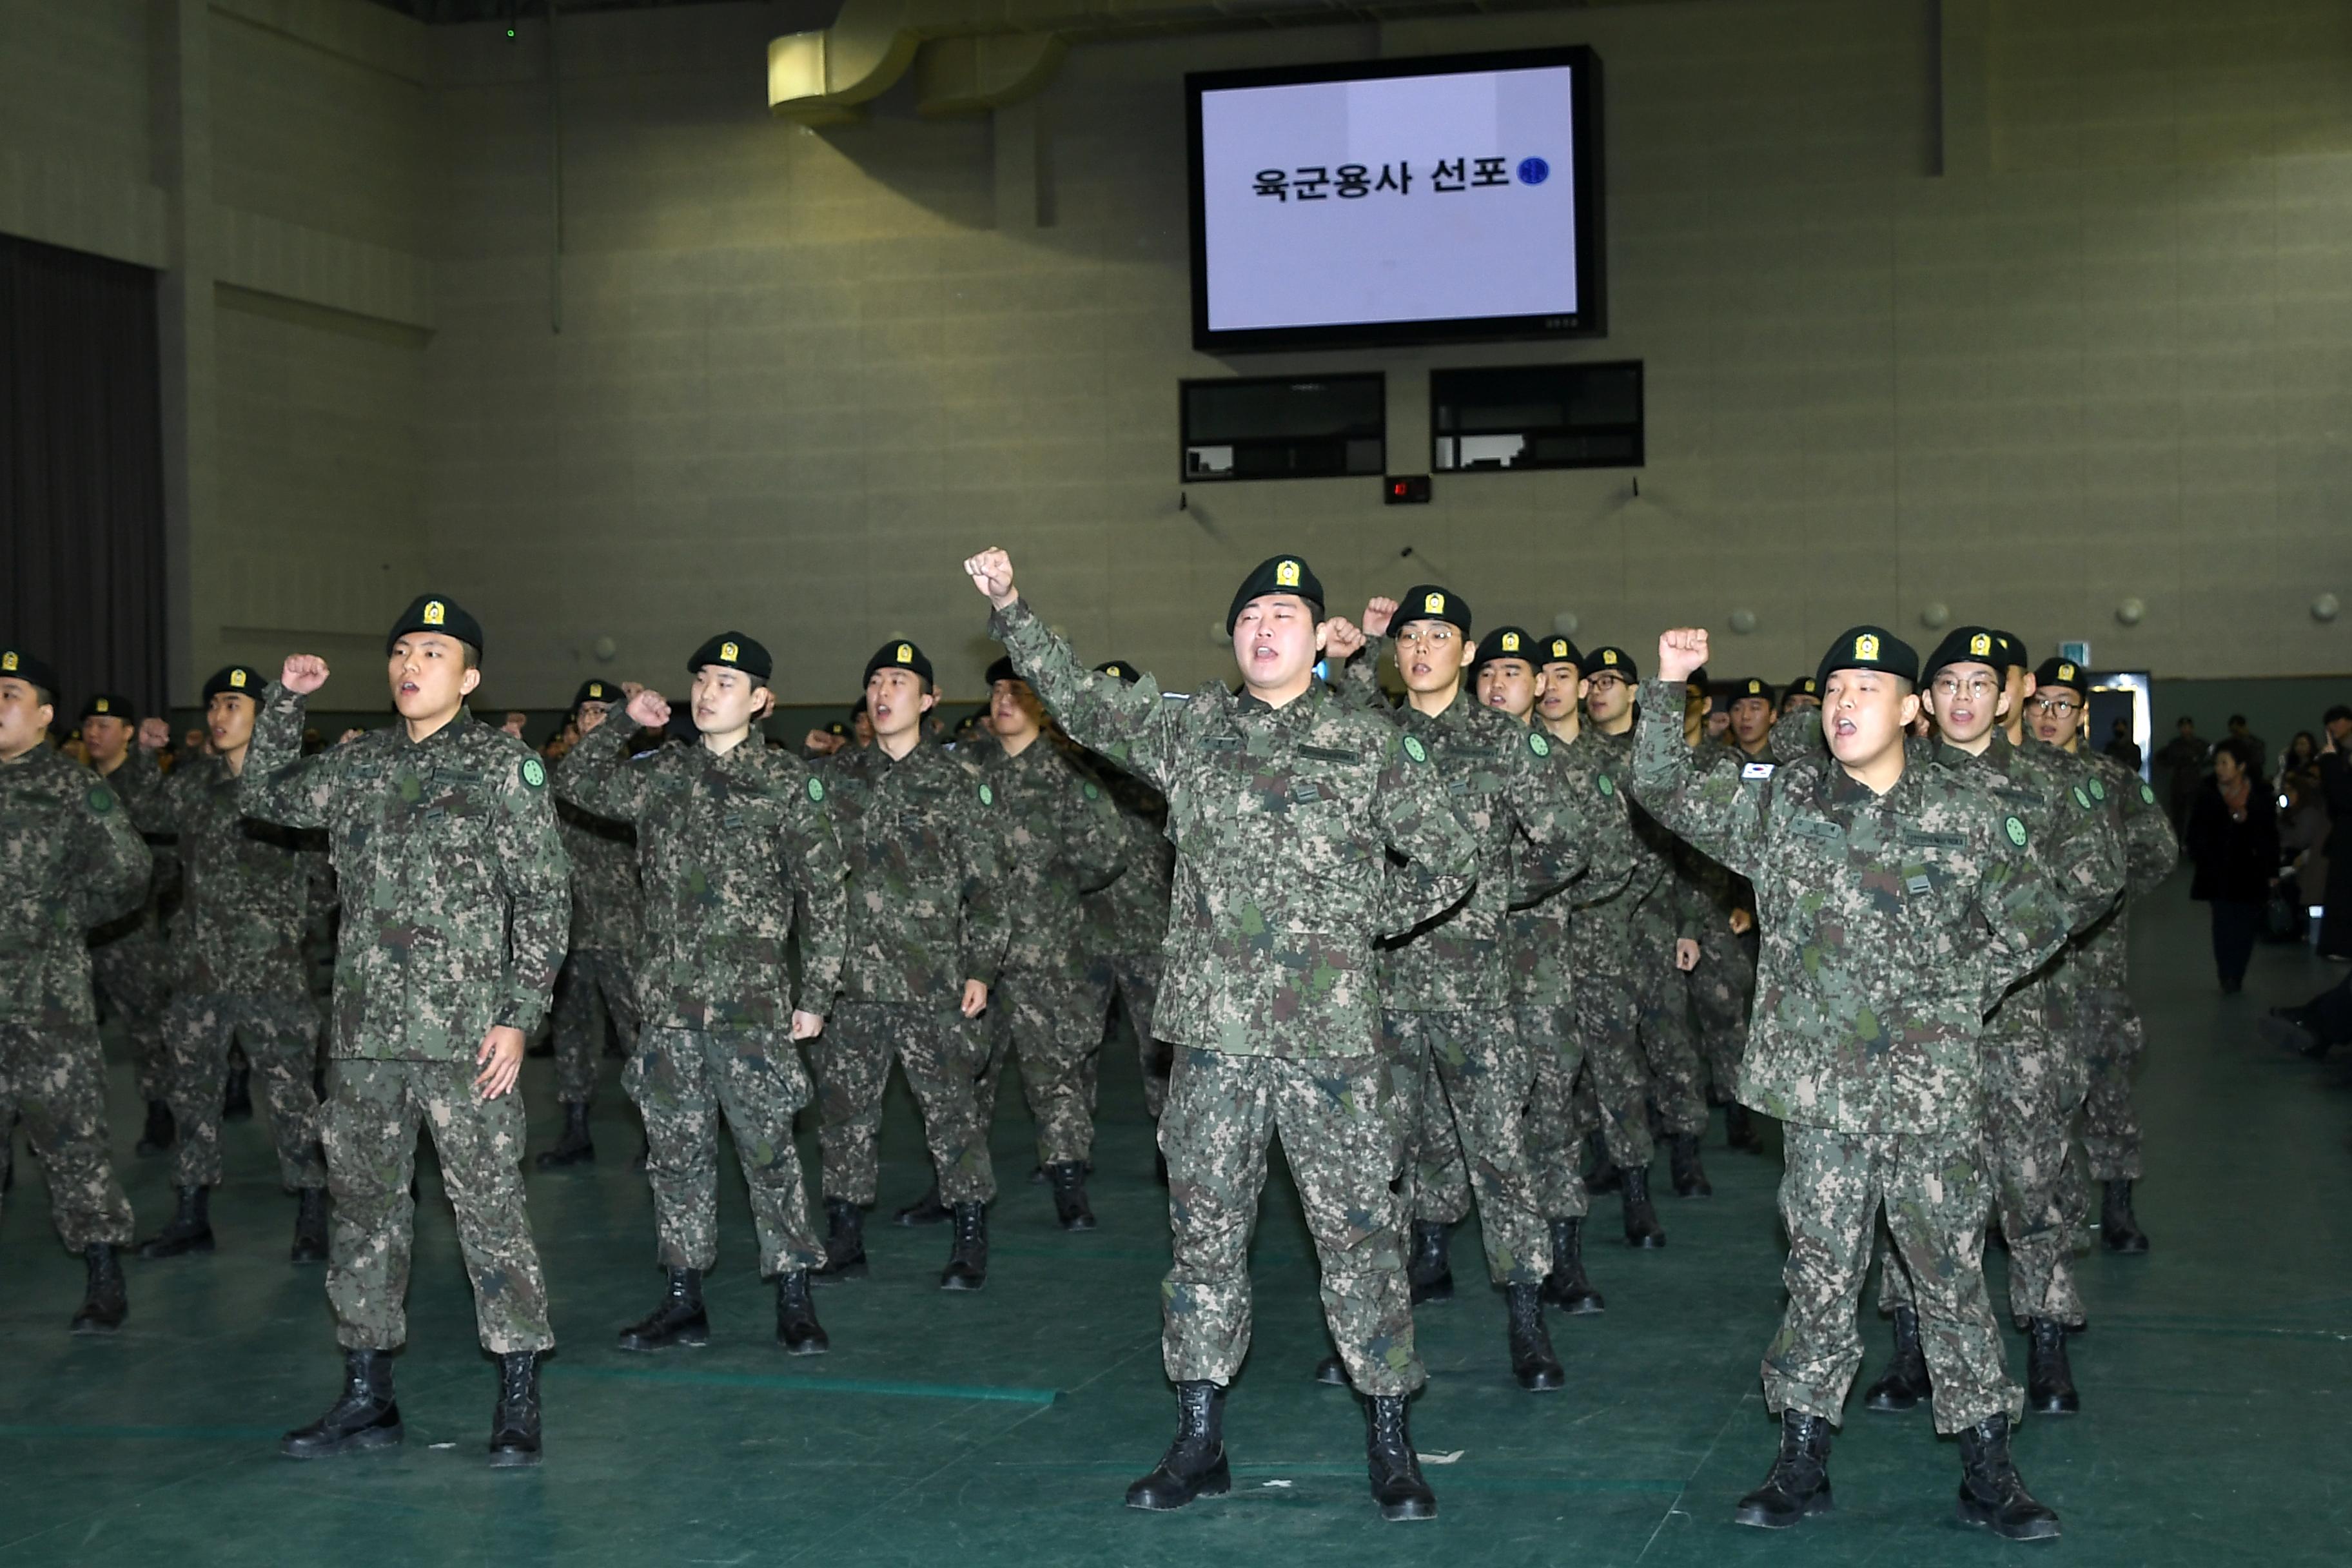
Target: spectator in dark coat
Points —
{"points": [[2121, 746], [2336, 791], [2183, 760], [2234, 841]]}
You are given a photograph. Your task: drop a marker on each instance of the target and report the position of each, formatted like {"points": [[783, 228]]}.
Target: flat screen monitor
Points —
{"points": [[1451, 197]]}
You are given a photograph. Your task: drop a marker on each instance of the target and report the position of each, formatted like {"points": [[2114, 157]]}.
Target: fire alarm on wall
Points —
{"points": [[1408, 490]]}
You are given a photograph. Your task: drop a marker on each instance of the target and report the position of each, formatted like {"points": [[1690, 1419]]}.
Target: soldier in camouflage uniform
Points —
{"points": [[596, 983], [1536, 945], [2096, 998], [1063, 837], [2033, 1073], [1283, 804], [1126, 921], [1445, 988], [924, 841], [1724, 982], [1633, 1008], [130, 956], [1897, 903], [732, 835], [69, 859], [237, 938], [454, 906]]}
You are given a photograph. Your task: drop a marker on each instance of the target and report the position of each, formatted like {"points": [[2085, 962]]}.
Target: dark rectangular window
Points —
{"points": [[1285, 427], [1536, 416]]}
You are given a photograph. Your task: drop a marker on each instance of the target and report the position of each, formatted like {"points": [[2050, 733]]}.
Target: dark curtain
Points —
{"points": [[81, 472]]}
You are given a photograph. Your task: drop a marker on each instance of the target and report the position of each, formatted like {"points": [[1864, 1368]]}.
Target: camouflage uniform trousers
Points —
{"points": [[1470, 1135], [2107, 1028], [1554, 1129], [594, 983], [933, 1044], [1720, 988], [280, 1036], [133, 973], [55, 1078], [682, 1079], [373, 1112], [1057, 1029], [1134, 978], [1639, 1051], [1933, 1190], [1342, 1124]]}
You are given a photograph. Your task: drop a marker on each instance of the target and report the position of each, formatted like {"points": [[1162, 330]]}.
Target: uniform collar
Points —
{"points": [[444, 735]]}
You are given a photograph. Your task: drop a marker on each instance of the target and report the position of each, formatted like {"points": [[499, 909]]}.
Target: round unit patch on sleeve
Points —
{"points": [[2016, 832], [1538, 742], [816, 788], [1607, 785], [1093, 793], [2147, 795], [987, 795], [2081, 799], [534, 773], [2098, 790], [101, 799], [1416, 750]]}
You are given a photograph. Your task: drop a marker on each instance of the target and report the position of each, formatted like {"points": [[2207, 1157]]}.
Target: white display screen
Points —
{"points": [[1447, 196]]}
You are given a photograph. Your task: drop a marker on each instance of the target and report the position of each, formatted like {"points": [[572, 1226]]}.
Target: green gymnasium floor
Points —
{"points": [[1001, 1428]]}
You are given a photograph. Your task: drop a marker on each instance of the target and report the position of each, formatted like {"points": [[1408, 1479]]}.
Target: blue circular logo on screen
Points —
{"points": [[1533, 170]]}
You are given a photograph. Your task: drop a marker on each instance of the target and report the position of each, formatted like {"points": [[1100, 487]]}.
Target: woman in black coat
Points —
{"points": [[2234, 841]]}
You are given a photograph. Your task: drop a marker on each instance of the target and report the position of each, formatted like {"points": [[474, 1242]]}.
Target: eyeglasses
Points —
{"points": [[2054, 707], [1974, 685], [1603, 682]]}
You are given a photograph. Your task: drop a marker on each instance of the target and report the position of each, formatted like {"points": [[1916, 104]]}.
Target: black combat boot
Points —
{"points": [[1798, 1485], [107, 1301], [2119, 1228], [1194, 1464], [575, 1147], [364, 1417], [678, 1320], [797, 1329], [1991, 1491], [1428, 1270], [1739, 1129], [1332, 1370], [2049, 1381], [190, 1228], [1394, 1468], [236, 1093], [925, 1210], [1566, 1287], [1069, 1180], [1642, 1227], [967, 1266], [1905, 1383], [1606, 1177], [514, 1425], [1690, 1176], [160, 1130], [310, 1226], [844, 1243], [1532, 1362]]}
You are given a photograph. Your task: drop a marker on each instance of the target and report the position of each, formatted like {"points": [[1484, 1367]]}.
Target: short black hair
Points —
{"points": [[2237, 718], [2238, 751], [2333, 714], [2185, 721]]}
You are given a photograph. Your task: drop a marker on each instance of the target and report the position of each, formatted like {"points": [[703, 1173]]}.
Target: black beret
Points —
{"points": [[1869, 648], [437, 613], [1561, 650], [2063, 672], [241, 679], [1695, 681], [1741, 690], [1001, 670], [1615, 661], [1119, 670], [1967, 645], [733, 650], [2012, 650], [899, 654], [1505, 642], [1804, 686], [1276, 574], [1428, 601], [595, 691], [112, 705], [16, 663]]}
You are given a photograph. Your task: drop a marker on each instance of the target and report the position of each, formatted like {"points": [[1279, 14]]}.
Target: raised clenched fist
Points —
{"points": [[991, 572], [1342, 640], [1680, 651], [154, 734], [304, 673], [647, 706], [1379, 614]]}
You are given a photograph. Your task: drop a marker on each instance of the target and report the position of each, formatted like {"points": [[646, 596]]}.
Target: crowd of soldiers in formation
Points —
{"points": [[1480, 948]]}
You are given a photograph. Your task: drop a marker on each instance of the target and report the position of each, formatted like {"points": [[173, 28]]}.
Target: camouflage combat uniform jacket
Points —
{"points": [[1063, 837], [455, 890], [2103, 952], [1282, 821], [607, 899], [1128, 917], [725, 847], [923, 838], [1891, 924], [247, 887], [2071, 839], [71, 858], [1545, 902]]}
